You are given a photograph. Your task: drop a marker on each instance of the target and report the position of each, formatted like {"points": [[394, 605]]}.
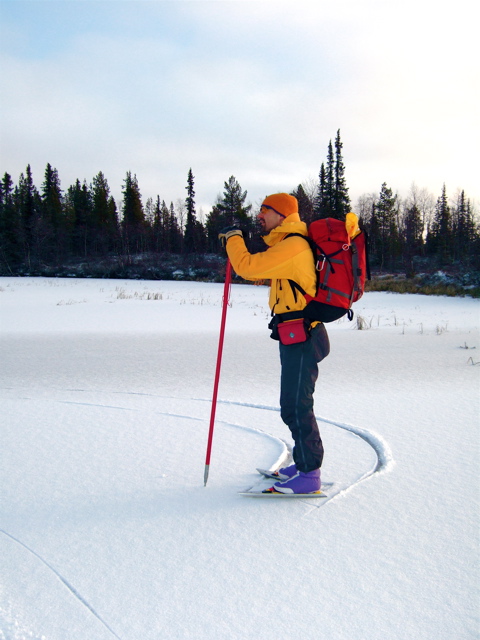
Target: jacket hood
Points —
{"points": [[292, 224]]}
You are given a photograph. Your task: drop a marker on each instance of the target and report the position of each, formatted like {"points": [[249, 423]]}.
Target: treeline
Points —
{"points": [[420, 230], [50, 226], [404, 234]]}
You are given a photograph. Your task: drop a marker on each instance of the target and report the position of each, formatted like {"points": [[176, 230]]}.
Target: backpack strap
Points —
{"points": [[289, 315], [295, 286]]}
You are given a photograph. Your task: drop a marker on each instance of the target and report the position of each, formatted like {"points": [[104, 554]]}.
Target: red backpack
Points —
{"points": [[342, 267]]}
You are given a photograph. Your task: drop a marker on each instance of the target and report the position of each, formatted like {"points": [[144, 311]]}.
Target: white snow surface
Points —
{"points": [[107, 529]]}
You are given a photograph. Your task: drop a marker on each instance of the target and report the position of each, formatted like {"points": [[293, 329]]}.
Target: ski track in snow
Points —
{"points": [[72, 589], [384, 463]]}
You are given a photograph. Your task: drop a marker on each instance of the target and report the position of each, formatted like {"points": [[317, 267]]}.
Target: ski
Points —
{"points": [[272, 475], [274, 494]]}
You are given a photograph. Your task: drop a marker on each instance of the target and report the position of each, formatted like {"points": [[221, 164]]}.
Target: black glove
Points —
{"points": [[227, 233]]}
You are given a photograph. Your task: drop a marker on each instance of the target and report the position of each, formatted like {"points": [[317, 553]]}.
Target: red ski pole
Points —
{"points": [[226, 296]]}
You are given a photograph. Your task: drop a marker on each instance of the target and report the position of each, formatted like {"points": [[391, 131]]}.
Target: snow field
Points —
{"points": [[108, 531]]}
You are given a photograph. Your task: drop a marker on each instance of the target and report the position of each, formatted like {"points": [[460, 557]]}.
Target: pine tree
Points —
{"points": [[28, 207], [190, 236], [440, 237], [305, 205], [330, 183], [165, 237], [326, 188], [233, 204], [53, 213], [174, 231], [374, 234], [341, 199], [52, 198], [79, 208], [101, 195], [321, 208], [157, 225], [388, 237], [412, 236], [133, 215], [113, 224], [332, 199], [214, 224], [104, 218], [227, 211], [10, 250]]}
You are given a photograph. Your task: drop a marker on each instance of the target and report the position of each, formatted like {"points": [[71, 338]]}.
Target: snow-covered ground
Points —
{"points": [[107, 530]]}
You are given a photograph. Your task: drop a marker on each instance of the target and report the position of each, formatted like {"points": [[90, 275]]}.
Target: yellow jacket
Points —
{"points": [[284, 260]]}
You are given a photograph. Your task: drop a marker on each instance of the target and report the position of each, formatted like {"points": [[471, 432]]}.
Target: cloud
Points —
{"points": [[251, 89]]}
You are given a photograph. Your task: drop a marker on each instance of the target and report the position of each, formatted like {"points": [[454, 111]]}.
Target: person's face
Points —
{"points": [[269, 219]]}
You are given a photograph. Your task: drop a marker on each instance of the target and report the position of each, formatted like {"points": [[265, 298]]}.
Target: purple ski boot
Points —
{"points": [[286, 473], [300, 483]]}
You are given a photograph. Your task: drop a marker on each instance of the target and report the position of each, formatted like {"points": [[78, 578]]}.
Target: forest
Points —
{"points": [[83, 231]]}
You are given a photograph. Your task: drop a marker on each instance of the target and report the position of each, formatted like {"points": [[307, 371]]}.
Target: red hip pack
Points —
{"points": [[292, 332]]}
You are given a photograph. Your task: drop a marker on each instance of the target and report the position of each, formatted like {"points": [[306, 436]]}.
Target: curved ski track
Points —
{"points": [[381, 448], [384, 462]]}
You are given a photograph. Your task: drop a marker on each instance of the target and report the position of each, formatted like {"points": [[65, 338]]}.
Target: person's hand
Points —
{"points": [[227, 233]]}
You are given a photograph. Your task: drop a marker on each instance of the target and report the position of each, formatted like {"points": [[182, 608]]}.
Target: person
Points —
{"points": [[288, 260]]}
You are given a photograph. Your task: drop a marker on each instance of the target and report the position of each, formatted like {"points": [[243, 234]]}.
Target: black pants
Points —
{"points": [[299, 375]]}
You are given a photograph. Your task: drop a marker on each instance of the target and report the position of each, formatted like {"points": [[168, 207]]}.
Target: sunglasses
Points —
{"points": [[266, 206]]}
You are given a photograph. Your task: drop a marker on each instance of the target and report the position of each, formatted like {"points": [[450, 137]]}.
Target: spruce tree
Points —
{"points": [[388, 240], [332, 199], [174, 231], [78, 204], [133, 222], [412, 236], [214, 224], [227, 211], [321, 202], [463, 229], [165, 236], [190, 240], [103, 217], [232, 206], [114, 236], [305, 205], [341, 200], [157, 225], [28, 211], [53, 213], [52, 198], [10, 250], [133, 214], [440, 237], [330, 183]]}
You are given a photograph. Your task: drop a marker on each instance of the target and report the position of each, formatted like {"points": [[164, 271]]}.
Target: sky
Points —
{"points": [[250, 88]]}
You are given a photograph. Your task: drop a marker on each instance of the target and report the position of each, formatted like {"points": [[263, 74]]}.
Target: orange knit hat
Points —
{"points": [[281, 203]]}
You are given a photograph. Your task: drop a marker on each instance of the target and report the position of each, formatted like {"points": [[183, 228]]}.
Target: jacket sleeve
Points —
{"points": [[277, 262]]}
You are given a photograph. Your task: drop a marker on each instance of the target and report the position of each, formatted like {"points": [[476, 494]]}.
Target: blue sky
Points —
{"points": [[254, 89]]}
